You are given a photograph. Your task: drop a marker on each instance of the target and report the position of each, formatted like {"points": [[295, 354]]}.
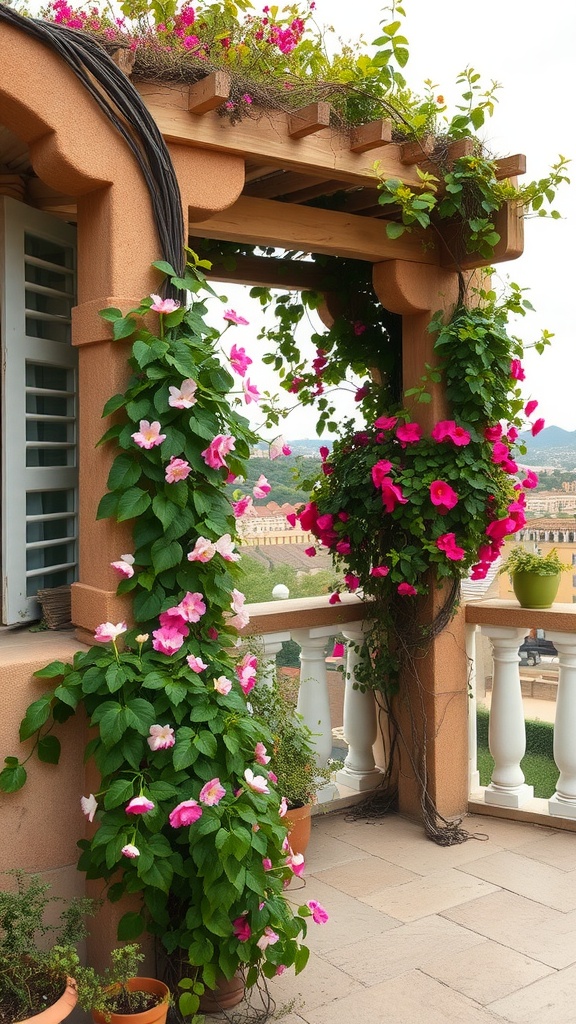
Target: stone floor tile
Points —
{"points": [[409, 946], [319, 984], [412, 998], [539, 932], [428, 895], [526, 877], [325, 851], [506, 833], [548, 1001], [349, 920], [365, 876], [488, 972], [558, 850]]}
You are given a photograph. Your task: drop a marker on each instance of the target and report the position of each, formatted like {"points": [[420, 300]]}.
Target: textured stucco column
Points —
{"points": [[431, 708]]}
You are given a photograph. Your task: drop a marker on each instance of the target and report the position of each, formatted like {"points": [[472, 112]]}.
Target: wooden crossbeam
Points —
{"points": [[324, 188], [280, 184], [508, 222], [362, 199], [271, 272], [308, 120], [416, 152], [209, 93], [370, 136]]}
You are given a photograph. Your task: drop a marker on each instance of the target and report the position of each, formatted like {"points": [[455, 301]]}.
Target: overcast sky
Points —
{"points": [[533, 59]]}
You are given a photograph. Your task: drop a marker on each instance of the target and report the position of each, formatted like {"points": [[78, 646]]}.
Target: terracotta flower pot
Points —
{"points": [[224, 996], [59, 1010], [534, 591], [299, 823], [156, 1015]]}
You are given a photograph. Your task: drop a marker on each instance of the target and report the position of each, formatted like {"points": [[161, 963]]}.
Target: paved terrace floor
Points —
{"points": [[480, 933]]}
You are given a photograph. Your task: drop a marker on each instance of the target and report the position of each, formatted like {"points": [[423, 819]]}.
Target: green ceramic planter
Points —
{"points": [[533, 591]]}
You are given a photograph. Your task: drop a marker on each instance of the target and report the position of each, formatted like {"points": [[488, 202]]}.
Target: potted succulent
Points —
{"points": [[535, 577], [35, 985]]}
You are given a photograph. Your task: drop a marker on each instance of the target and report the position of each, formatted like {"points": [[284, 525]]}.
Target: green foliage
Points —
{"points": [[257, 583], [538, 762], [520, 560]]}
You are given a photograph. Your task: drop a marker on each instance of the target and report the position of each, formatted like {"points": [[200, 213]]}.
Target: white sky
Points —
{"points": [[532, 55]]}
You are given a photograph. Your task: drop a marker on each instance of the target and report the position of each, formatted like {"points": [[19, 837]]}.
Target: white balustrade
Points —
{"points": [[563, 803], [360, 722], [473, 773], [507, 732], [313, 698], [271, 645]]}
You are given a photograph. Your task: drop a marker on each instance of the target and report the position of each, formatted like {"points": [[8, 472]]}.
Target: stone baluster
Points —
{"points": [[360, 723], [313, 699], [271, 645], [507, 732], [563, 803], [473, 773]]}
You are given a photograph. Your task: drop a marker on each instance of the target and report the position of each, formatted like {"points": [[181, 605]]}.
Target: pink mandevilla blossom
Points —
{"points": [[257, 783], [406, 590], [185, 813], [447, 544], [202, 551], [212, 793], [385, 422], [261, 487], [260, 755], [530, 481], [222, 685], [409, 433], [296, 863], [537, 426], [239, 360], [379, 570], [148, 435], [517, 370], [530, 407], [125, 566], [177, 469], [241, 928], [225, 547], [130, 850], [380, 472], [167, 640], [195, 663], [442, 495], [241, 617], [161, 737], [448, 430], [139, 805], [391, 495], [251, 393], [269, 938], [183, 397], [242, 506], [278, 447], [233, 318], [107, 632], [216, 452], [319, 915], [160, 305], [89, 805], [192, 607]]}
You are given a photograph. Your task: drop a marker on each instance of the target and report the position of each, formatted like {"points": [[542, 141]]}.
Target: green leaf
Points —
{"points": [[165, 556], [132, 504], [51, 671], [394, 230], [49, 749], [108, 506], [113, 404], [67, 696], [124, 473], [124, 327], [13, 777], [301, 959], [110, 313], [164, 509], [119, 792], [159, 875], [130, 926], [36, 715], [147, 606], [206, 743], [165, 268]]}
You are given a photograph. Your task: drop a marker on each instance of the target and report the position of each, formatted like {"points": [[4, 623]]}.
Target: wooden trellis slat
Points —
{"points": [[209, 93], [370, 136], [308, 120]]}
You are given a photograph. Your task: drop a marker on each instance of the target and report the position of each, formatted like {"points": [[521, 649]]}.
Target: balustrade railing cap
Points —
{"points": [[500, 612]]}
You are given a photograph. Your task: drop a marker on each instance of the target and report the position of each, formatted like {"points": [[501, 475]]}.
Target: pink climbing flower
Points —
{"points": [[172, 618], [167, 640], [177, 469], [310, 552], [160, 305], [530, 407], [261, 487], [196, 664], [380, 472], [107, 632], [517, 370], [379, 570], [161, 737], [257, 783], [409, 433], [334, 598], [239, 360], [241, 617], [494, 433], [183, 397], [251, 393], [266, 863], [447, 544], [269, 938], [222, 685], [260, 755], [139, 805], [148, 435], [448, 430], [241, 928], [291, 519], [125, 566], [283, 808], [225, 548], [319, 915], [391, 495], [130, 851], [185, 813], [500, 528], [202, 551], [537, 426], [442, 496], [338, 650], [192, 607], [242, 506], [212, 793], [246, 672], [216, 452], [406, 590], [385, 422], [296, 863], [233, 318], [279, 447], [352, 581], [531, 480], [89, 805]]}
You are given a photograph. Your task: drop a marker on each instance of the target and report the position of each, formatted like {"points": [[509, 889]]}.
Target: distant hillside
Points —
{"points": [[553, 446]]}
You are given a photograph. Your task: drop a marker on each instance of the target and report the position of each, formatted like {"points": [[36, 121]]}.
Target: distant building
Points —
{"points": [[545, 534], [551, 502], [569, 486], [267, 525]]}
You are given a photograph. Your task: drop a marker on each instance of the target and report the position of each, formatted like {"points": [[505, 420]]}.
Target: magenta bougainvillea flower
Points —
{"points": [[517, 370], [409, 433], [183, 397], [442, 496], [139, 805], [537, 427], [185, 813], [530, 480], [148, 435], [212, 793], [447, 544], [239, 360], [530, 407], [161, 737], [107, 632], [233, 318], [406, 590], [160, 305]]}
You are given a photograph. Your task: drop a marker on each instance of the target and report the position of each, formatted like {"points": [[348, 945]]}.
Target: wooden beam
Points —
{"points": [[416, 152], [271, 272], [510, 166], [264, 137], [266, 222], [254, 172], [281, 183], [324, 188], [508, 222], [370, 136], [209, 93], [308, 120], [362, 199]]}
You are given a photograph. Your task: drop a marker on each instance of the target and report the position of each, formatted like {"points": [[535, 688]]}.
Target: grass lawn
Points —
{"points": [[538, 764]]}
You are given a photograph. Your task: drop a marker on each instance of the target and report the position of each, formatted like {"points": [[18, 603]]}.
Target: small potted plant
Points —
{"points": [[35, 985], [535, 577], [118, 996]]}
